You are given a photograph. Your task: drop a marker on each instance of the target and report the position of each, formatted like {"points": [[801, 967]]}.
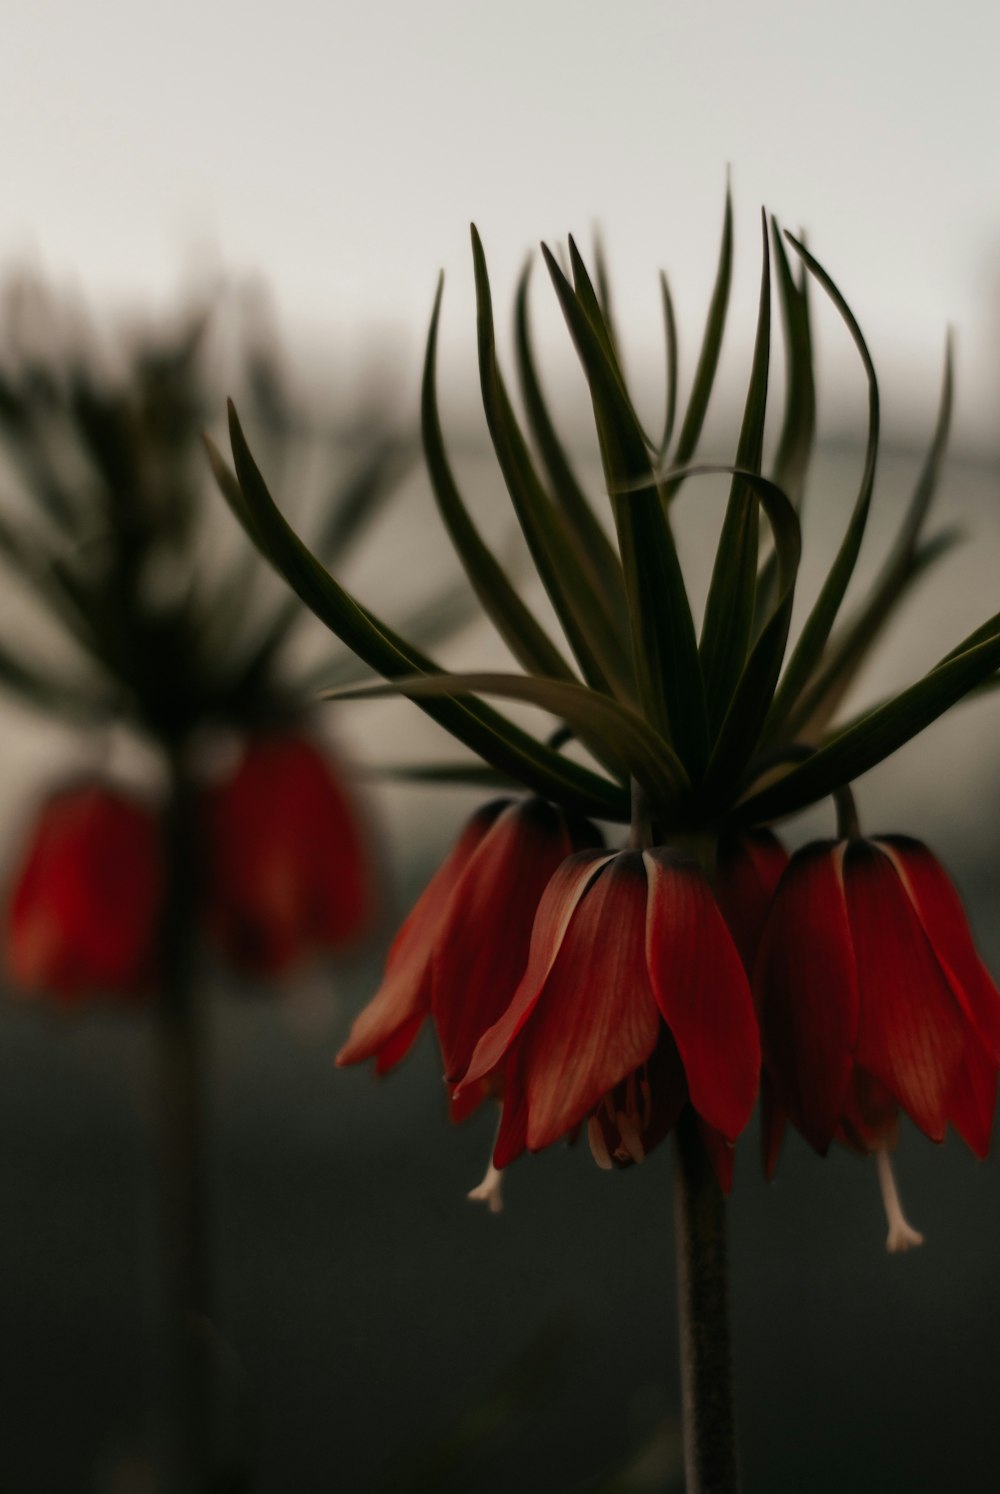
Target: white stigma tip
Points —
{"points": [[902, 1236], [488, 1191]]}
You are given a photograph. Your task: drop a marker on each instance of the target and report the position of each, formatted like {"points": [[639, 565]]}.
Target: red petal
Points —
{"points": [[701, 989], [973, 1100], [595, 1020], [870, 1119], [911, 1031], [943, 918], [748, 870], [721, 1154], [482, 950], [392, 1018], [557, 906], [772, 1126], [806, 988]]}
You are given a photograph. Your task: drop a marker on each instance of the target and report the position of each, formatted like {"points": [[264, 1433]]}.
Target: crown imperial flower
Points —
{"points": [[630, 962], [289, 871], [872, 999], [82, 913]]}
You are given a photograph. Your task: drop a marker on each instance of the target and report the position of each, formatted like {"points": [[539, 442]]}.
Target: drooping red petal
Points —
{"points": [[911, 1031], [702, 990], [391, 1020], [289, 870], [944, 922], [973, 1100], [482, 950], [870, 1118], [805, 984], [83, 914], [772, 1126], [721, 1154], [748, 870], [595, 1019], [512, 1136], [557, 906]]}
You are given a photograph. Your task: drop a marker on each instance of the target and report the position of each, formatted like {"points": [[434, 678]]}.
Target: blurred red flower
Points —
{"points": [[633, 1002], [85, 900], [288, 868], [872, 998]]}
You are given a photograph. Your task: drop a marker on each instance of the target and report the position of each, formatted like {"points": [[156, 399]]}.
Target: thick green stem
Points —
{"points": [[703, 1294], [188, 1401]]}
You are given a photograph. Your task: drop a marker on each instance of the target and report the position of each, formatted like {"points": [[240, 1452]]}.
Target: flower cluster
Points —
{"points": [[613, 988], [285, 869]]}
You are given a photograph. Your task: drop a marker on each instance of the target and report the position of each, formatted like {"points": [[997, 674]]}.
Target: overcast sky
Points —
{"points": [[341, 150]]}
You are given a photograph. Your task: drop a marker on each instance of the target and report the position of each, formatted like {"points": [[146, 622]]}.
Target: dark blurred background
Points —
{"points": [[376, 1331]]}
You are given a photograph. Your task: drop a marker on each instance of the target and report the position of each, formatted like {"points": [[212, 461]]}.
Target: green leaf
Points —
{"points": [[906, 562], [729, 610], [493, 738], [594, 550], [50, 694], [816, 631], [641, 752], [664, 646], [670, 338], [453, 775], [516, 625], [744, 720], [879, 732], [791, 462], [708, 358], [587, 626]]}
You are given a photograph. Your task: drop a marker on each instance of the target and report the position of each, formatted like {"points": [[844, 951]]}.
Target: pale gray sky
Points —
{"points": [[342, 149]]}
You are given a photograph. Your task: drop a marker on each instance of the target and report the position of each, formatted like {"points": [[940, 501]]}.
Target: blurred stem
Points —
{"points": [[183, 1154], [703, 1293]]}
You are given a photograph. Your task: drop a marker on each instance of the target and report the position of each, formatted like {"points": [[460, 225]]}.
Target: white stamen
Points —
{"points": [[902, 1235], [488, 1191], [598, 1145]]}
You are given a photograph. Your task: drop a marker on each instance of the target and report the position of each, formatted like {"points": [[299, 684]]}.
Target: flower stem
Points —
{"points": [[182, 1157], [703, 1294]]}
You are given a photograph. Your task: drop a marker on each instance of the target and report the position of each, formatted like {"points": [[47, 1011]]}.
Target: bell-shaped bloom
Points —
{"points": [[85, 901], [464, 947], [634, 1002], [872, 998], [288, 868]]}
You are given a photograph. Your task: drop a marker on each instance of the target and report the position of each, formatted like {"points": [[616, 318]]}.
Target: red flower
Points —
{"points": [[872, 998], [634, 1001], [289, 872], [462, 950], [82, 914]]}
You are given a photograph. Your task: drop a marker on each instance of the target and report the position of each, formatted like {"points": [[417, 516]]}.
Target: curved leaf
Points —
{"points": [[670, 338], [642, 753], [664, 645], [496, 740], [523, 635], [816, 631]]}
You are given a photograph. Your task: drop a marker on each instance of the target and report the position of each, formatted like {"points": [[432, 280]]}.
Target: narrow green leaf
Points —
{"points": [[453, 775], [880, 732], [816, 631], [906, 562], [798, 429], [729, 610], [708, 358], [670, 338], [51, 694], [595, 552], [523, 635], [493, 738], [587, 626], [664, 645], [604, 298], [593, 307], [641, 752]]}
